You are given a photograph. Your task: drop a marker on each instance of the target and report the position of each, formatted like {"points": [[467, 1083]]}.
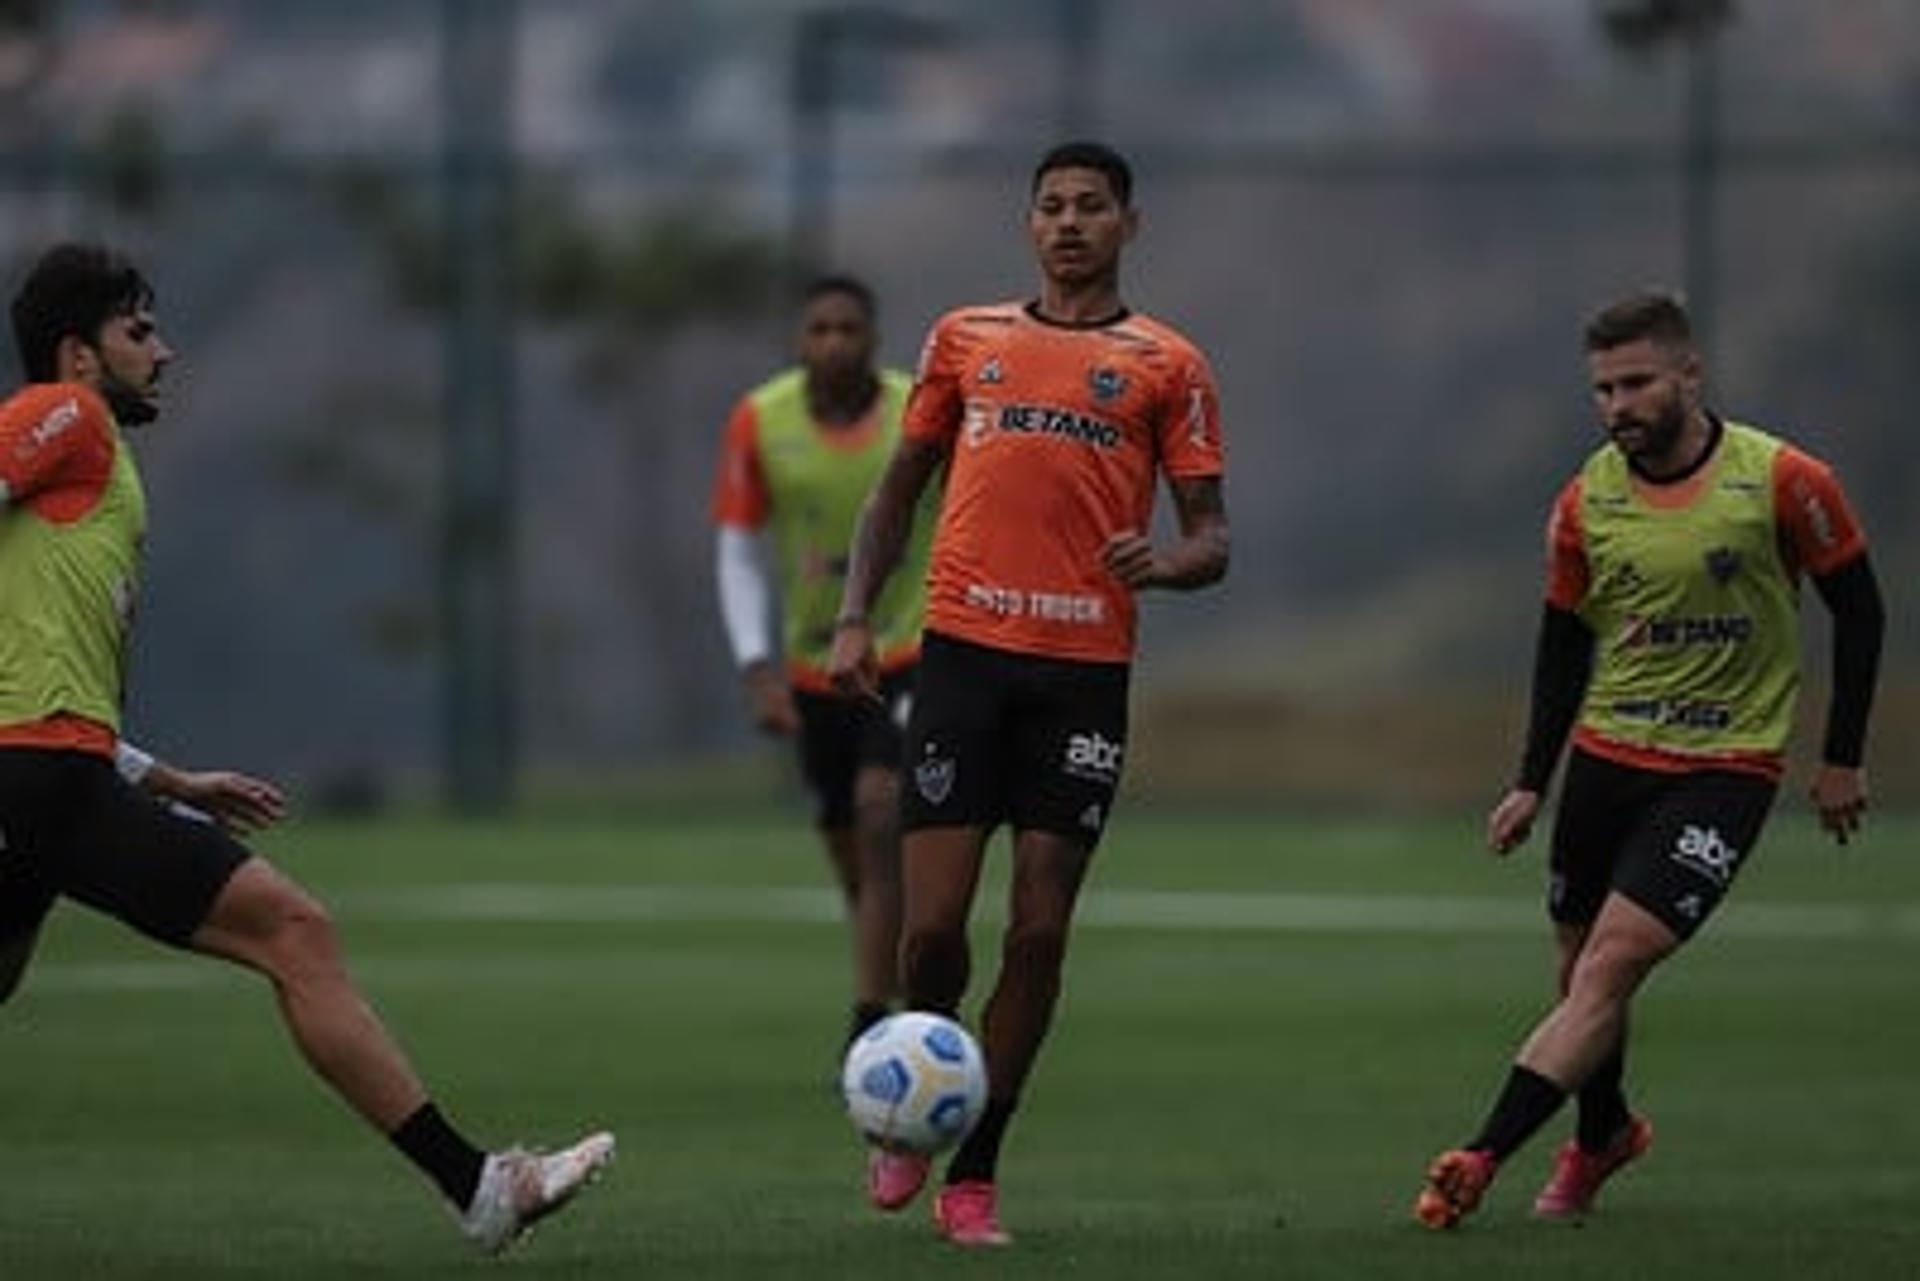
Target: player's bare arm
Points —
{"points": [[885, 524], [1512, 819], [1839, 793], [238, 802], [1198, 558], [771, 697]]}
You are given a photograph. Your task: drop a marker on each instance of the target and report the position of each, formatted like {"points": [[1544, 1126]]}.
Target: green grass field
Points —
{"points": [[1269, 1025]]}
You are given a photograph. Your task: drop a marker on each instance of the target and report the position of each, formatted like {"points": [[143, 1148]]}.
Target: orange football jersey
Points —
{"points": [[1056, 436]]}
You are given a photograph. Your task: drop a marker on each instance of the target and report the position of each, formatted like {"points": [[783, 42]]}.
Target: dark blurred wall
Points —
{"points": [[1385, 222]]}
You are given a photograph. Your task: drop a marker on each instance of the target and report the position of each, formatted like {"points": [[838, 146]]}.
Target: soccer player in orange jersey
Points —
{"points": [[72, 826], [1055, 419], [1670, 648]]}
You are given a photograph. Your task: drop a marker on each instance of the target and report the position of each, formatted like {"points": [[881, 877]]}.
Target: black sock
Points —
{"points": [[441, 1152], [1525, 1104], [1603, 1105], [979, 1155], [865, 1015]]}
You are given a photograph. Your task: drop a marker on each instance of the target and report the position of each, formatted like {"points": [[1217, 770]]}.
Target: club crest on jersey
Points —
{"points": [[991, 375], [934, 776], [1723, 563], [1107, 385]]}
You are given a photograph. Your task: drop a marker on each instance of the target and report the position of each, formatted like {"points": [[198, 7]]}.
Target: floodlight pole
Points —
{"points": [[477, 579], [819, 36], [1639, 25], [1076, 108], [1700, 186]]}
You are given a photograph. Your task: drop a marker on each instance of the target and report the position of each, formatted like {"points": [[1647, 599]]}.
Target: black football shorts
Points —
{"points": [[71, 826], [998, 737], [1671, 842], [840, 736]]}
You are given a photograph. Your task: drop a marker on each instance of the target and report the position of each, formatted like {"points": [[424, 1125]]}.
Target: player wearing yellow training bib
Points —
{"points": [[1670, 648], [148, 844], [802, 452]]}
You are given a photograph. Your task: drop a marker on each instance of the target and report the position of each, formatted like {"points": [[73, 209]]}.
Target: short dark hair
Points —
{"points": [[72, 291], [1653, 313], [846, 285], [1089, 155]]}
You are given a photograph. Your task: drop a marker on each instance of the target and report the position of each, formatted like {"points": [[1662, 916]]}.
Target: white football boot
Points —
{"points": [[518, 1188]]}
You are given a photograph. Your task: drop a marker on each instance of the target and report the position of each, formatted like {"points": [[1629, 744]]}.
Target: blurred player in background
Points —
{"points": [[1055, 419], [1671, 639], [72, 521], [802, 452]]}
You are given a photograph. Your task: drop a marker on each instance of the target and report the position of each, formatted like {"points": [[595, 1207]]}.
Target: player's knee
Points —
{"points": [[302, 939], [877, 824], [933, 965], [1569, 940], [877, 790], [876, 803], [1609, 967], [1035, 950], [1563, 981]]}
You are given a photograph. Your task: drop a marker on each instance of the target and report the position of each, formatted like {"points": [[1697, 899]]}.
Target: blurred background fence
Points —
{"points": [[464, 291]]}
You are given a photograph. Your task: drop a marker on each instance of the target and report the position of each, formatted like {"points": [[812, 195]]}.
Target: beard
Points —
{"points": [[1657, 435], [131, 407]]}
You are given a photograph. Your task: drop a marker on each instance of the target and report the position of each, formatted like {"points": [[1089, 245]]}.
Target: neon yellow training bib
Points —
{"points": [[1695, 614], [66, 603], [817, 486]]}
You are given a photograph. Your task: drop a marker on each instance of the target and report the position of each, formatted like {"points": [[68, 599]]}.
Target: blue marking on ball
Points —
{"points": [[944, 1044], [949, 1114], [887, 1082]]}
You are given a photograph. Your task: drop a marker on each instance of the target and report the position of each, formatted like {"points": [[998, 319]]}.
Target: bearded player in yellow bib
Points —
{"points": [[1670, 648], [145, 843]]}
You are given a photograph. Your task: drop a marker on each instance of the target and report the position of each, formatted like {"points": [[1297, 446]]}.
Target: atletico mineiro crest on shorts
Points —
{"points": [[934, 776]]}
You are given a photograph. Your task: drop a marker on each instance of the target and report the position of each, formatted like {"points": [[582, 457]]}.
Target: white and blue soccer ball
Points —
{"points": [[914, 1081]]}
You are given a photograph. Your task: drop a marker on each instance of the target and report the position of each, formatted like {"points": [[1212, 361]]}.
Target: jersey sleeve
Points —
{"points": [[740, 496], [1568, 575], [1189, 430], [1818, 530], [934, 406], [51, 434]]}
